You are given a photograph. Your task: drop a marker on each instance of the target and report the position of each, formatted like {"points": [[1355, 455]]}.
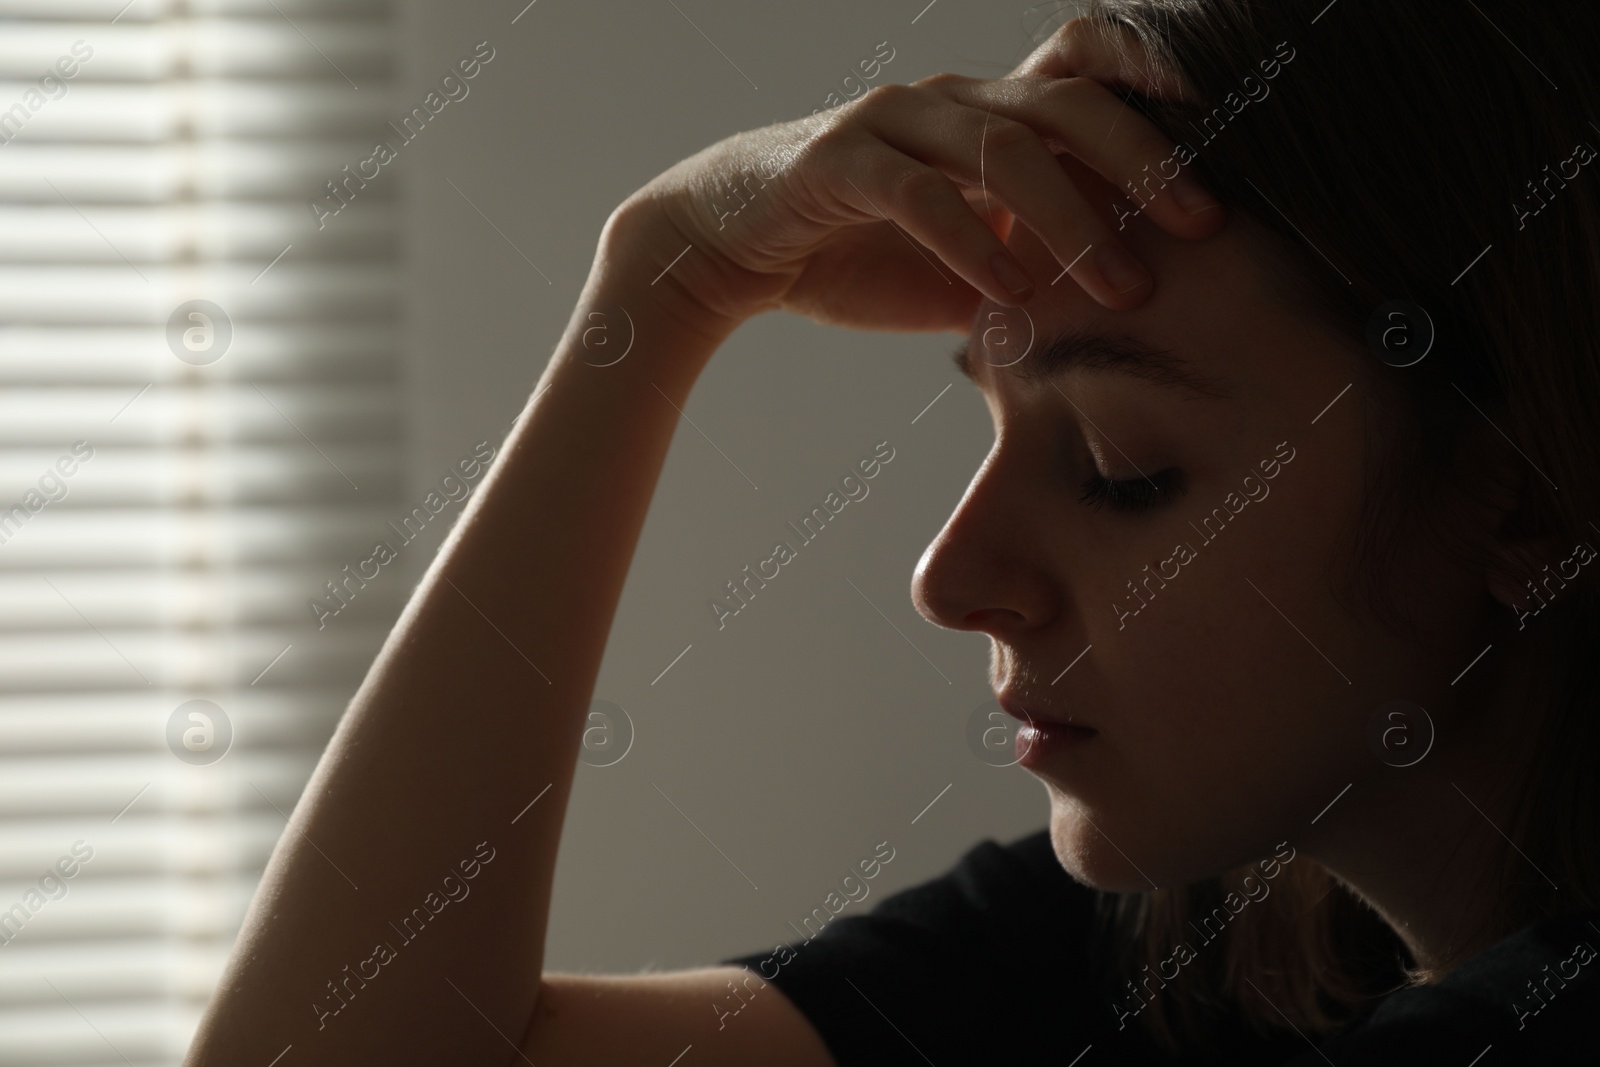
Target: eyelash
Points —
{"points": [[1134, 495]]}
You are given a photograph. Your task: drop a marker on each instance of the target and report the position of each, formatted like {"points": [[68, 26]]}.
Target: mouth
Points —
{"points": [[1038, 717], [1044, 734]]}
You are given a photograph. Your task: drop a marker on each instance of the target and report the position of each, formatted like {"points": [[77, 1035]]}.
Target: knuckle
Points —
{"points": [[1009, 135], [1088, 39], [888, 94], [1073, 29], [944, 80], [944, 229], [919, 186], [1072, 89], [1117, 53], [940, 209], [1079, 41], [826, 141]]}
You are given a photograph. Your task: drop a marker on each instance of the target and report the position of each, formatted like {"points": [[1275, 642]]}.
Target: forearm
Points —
{"points": [[473, 708]]}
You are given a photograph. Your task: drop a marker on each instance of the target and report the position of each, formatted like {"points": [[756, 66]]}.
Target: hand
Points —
{"points": [[1110, 53], [950, 161]]}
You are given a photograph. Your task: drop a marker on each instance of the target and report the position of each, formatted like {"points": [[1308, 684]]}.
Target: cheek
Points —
{"points": [[1233, 706]]}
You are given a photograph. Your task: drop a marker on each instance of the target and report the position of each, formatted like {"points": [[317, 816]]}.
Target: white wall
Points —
{"points": [[808, 730]]}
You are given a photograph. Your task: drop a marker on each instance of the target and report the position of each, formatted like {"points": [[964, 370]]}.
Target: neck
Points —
{"points": [[1425, 845]]}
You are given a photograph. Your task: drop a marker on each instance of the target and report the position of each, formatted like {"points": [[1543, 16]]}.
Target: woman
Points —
{"points": [[1296, 464]]}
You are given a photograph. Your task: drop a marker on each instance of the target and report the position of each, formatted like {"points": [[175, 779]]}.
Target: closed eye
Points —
{"points": [[1134, 494]]}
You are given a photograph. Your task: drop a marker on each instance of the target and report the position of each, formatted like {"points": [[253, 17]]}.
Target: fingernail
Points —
{"points": [[1192, 196], [1009, 274], [1120, 270]]}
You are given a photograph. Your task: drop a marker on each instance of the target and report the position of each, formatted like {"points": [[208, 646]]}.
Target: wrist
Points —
{"points": [[626, 335], [637, 262]]}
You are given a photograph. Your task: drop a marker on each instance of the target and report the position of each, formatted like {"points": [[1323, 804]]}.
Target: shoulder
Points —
{"points": [[1533, 997], [990, 960]]}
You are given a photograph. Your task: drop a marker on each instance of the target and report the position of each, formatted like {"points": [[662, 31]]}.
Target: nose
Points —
{"points": [[988, 568]]}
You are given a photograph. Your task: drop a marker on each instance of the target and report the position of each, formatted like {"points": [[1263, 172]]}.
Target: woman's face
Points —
{"points": [[1231, 696]]}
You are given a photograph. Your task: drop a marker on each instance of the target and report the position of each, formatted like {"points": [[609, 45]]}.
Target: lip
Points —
{"points": [[1043, 735], [1034, 714], [1038, 743]]}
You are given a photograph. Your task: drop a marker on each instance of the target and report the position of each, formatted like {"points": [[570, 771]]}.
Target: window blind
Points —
{"points": [[173, 488]]}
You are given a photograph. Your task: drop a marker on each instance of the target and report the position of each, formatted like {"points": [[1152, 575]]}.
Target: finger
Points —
{"points": [[895, 187], [1108, 51], [1087, 120], [989, 209], [1009, 160], [880, 277]]}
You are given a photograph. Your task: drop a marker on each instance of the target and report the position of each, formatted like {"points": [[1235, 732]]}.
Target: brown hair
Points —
{"points": [[1410, 152]]}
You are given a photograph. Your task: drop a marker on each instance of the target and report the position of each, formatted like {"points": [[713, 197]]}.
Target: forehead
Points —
{"points": [[1233, 315], [1074, 346]]}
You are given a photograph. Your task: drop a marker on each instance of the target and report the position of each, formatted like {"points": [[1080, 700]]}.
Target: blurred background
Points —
{"points": [[237, 350]]}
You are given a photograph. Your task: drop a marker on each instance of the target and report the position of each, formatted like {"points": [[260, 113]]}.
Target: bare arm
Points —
{"points": [[603, 1020], [402, 916], [473, 708]]}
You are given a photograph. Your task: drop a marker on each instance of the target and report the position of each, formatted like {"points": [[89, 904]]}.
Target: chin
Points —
{"points": [[1089, 856], [1113, 855]]}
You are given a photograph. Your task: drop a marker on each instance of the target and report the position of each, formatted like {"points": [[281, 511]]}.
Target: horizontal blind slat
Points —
{"points": [[179, 562]]}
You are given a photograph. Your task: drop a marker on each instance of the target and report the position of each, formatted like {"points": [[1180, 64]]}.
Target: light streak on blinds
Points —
{"points": [[175, 165]]}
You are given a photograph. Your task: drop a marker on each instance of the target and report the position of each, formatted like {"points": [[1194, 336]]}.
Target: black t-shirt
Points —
{"points": [[993, 962]]}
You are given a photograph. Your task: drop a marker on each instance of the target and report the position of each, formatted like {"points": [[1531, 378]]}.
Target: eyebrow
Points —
{"points": [[1076, 347]]}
